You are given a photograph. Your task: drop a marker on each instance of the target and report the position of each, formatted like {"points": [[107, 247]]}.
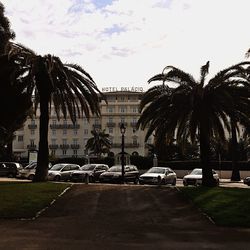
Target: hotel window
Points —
{"points": [[123, 109], [32, 122], [85, 131], [32, 142], [64, 152], [110, 109], [20, 138], [134, 109], [134, 140], [64, 122], [53, 152], [54, 122], [75, 152], [75, 131], [64, 131], [110, 130], [122, 119], [75, 141], [64, 141], [53, 132], [32, 131], [53, 141], [110, 119]]}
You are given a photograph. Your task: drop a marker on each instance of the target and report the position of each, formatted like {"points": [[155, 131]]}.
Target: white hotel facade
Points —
{"points": [[68, 140]]}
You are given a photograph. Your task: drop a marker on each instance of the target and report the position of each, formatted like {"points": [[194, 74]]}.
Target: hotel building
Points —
{"points": [[68, 140]]}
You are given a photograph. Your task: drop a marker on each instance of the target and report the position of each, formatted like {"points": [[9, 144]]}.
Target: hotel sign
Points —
{"points": [[130, 89]]}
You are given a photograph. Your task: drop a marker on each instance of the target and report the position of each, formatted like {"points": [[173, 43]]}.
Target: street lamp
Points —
{"points": [[123, 130]]}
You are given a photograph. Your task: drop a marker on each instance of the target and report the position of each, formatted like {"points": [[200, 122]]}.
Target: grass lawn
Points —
{"points": [[226, 206], [24, 200]]}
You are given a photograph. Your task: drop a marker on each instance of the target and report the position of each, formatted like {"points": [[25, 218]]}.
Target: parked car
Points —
{"points": [[90, 171], [62, 171], [195, 177], [114, 174], [247, 181], [29, 171], [9, 169], [158, 175]]}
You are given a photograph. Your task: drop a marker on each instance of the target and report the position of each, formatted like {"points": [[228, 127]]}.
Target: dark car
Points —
{"points": [[247, 181], [90, 171], [114, 174], [9, 169]]}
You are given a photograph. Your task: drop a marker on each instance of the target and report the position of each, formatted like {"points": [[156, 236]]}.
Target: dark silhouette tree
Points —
{"points": [[68, 87], [194, 108], [99, 143]]}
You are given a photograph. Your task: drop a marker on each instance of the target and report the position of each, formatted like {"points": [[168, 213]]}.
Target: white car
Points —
{"points": [[62, 171], [158, 175], [29, 171], [195, 177]]}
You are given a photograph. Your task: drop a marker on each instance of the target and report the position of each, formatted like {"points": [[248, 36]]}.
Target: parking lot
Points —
{"points": [[223, 182]]}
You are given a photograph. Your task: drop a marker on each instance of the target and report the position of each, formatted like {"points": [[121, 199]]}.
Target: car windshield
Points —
{"points": [[115, 169], [31, 166], [157, 170], [197, 171], [57, 167], [88, 167]]}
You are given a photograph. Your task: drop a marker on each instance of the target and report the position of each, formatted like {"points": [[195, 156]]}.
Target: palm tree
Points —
{"points": [[99, 143], [15, 102], [68, 87], [193, 108]]}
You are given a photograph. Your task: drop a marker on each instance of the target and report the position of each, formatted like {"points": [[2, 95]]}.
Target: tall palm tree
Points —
{"points": [[68, 87], [195, 108], [99, 143]]}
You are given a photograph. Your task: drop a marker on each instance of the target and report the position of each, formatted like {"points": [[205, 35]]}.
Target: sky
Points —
{"points": [[123, 43]]}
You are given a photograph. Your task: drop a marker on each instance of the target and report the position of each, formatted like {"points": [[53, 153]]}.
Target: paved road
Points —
{"points": [[120, 217]]}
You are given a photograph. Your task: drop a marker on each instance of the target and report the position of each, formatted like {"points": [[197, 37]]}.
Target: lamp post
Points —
{"points": [[123, 130]]}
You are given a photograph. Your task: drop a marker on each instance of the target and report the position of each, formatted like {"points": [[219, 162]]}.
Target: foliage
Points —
{"points": [[226, 206], [68, 87], [24, 200], [194, 109], [99, 143]]}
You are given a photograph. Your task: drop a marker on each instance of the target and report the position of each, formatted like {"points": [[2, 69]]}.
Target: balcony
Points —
{"points": [[32, 126], [31, 147], [110, 124], [133, 124], [64, 126], [64, 146], [98, 126], [53, 146], [75, 146], [127, 145], [125, 124]]}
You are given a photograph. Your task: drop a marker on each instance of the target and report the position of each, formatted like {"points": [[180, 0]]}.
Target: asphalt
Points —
{"points": [[118, 217]]}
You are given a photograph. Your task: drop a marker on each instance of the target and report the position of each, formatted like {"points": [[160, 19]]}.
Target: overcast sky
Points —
{"points": [[125, 42]]}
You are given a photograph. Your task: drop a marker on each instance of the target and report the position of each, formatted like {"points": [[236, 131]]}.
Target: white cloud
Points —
{"points": [[152, 34]]}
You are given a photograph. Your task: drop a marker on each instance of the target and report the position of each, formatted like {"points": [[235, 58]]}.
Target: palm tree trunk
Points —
{"points": [[43, 152], [234, 144], [207, 175]]}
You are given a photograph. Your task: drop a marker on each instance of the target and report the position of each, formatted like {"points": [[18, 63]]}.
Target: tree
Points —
{"points": [[68, 87], [99, 143], [15, 102], [194, 108]]}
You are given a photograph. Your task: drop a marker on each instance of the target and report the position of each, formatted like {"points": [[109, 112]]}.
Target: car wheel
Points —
{"points": [[31, 177], [185, 184], [57, 178], [136, 181], [163, 182], [10, 175], [248, 183], [174, 182], [91, 179]]}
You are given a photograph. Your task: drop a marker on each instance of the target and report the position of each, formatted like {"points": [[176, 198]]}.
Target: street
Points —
{"points": [[97, 216]]}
